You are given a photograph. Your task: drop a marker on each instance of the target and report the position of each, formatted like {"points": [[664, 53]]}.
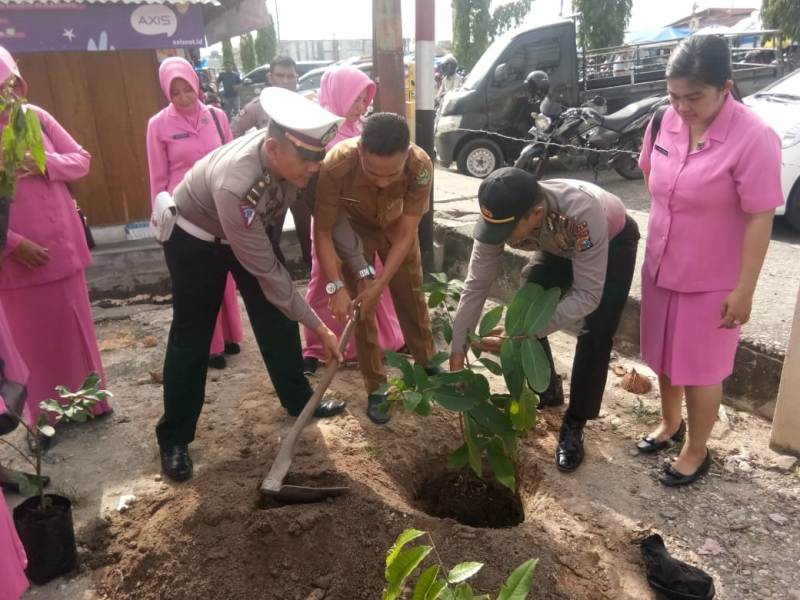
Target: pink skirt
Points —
{"points": [[390, 336], [54, 332], [229, 320], [12, 557], [680, 336]]}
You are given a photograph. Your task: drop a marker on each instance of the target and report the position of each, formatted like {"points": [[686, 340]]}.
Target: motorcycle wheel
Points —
{"points": [[628, 167], [479, 158]]}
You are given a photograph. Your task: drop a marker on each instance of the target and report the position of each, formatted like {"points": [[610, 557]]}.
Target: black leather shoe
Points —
{"points": [[330, 408], [672, 478], [217, 361], [431, 371], [569, 453], [375, 411], [232, 348], [553, 395], [648, 445], [310, 365], [176, 463]]}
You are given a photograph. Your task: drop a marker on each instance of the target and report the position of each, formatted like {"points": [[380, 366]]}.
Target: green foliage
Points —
{"points": [[437, 583], [510, 15], [472, 30], [490, 423], [783, 15], [21, 141], [227, 52], [266, 44], [603, 22], [247, 52]]}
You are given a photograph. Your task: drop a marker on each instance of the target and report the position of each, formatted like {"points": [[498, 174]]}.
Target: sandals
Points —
{"points": [[648, 445]]}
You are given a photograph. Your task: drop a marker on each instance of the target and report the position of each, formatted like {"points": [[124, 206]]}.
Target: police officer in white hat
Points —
{"points": [[224, 204]]}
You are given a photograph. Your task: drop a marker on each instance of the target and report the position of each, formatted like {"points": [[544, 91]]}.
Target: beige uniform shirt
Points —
{"points": [[252, 115], [580, 220], [213, 196]]}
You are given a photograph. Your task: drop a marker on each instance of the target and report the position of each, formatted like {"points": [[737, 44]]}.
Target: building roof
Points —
{"points": [[715, 16], [60, 2]]}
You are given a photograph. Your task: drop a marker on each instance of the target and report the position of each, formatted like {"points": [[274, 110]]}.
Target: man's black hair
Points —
{"points": [[283, 61], [385, 134]]}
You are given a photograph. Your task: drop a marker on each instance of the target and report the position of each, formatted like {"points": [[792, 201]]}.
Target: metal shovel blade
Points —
{"points": [[301, 494]]}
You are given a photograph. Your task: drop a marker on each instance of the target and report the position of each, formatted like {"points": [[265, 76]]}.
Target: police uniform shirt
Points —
{"points": [[252, 115], [343, 184], [214, 196], [580, 220]]}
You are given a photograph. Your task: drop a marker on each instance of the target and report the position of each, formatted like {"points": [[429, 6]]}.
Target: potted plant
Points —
{"points": [[44, 521]]}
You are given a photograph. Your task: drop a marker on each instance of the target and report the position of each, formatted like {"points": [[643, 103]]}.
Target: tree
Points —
{"points": [[266, 44], [783, 15], [603, 22], [472, 25], [509, 16], [227, 52], [247, 52]]}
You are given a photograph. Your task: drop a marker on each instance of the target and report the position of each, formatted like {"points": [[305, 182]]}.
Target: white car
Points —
{"points": [[779, 105]]}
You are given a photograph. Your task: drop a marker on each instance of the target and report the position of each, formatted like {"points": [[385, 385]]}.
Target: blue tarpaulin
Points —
{"points": [[658, 34]]}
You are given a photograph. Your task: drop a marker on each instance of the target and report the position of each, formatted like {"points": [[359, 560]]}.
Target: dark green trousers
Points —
{"points": [[199, 270], [593, 350]]}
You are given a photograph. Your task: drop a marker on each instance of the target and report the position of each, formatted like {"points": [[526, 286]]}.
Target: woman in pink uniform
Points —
{"points": [[713, 170], [42, 281], [177, 137], [346, 92]]}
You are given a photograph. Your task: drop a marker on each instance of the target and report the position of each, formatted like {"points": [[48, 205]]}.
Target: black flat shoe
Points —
{"points": [[330, 408], [310, 365], [232, 348], [432, 371], [553, 395], [672, 478], [569, 453], [375, 410], [217, 361], [176, 463], [648, 445]]}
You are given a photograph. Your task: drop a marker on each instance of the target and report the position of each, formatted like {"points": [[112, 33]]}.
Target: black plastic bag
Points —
{"points": [[673, 578]]}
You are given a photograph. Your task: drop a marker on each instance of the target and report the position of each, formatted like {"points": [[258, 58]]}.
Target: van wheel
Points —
{"points": [[628, 165], [479, 157]]}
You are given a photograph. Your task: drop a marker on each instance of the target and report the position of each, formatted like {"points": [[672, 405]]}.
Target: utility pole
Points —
{"points": [[786, 420], [425, 50], [387, 56]]}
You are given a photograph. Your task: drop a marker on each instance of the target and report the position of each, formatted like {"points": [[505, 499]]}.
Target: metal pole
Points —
{"points": [[425, 51], [387, 45]]}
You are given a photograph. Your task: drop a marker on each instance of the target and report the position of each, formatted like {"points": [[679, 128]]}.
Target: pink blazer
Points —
{"points": [[44, 212], [174, 146]]}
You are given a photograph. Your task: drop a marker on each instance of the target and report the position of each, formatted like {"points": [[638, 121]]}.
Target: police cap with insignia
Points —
{"points": [[307, 125], [504, 197]]}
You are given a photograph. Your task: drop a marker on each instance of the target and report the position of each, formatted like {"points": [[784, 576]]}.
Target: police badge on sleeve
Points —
{"points": [[248, 213]]}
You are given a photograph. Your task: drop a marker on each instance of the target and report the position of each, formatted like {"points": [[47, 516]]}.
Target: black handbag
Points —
{"points": [[14, 395]]}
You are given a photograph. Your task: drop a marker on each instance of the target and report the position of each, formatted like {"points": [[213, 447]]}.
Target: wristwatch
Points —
{"points": [[333, 286], [367, 272]]}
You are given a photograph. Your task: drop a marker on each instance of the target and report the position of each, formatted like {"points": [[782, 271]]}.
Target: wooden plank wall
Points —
{"points": [[104, 99]]}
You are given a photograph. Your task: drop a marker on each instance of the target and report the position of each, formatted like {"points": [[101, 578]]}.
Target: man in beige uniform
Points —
{"points": [[383, 183], [224, 203], [283, 74]]}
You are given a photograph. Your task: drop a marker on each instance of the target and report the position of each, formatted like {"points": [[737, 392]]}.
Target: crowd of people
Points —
{"points": [[358, 189]]}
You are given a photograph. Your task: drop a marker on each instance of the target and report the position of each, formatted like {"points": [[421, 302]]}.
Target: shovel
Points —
{"points": [[273, 486]]}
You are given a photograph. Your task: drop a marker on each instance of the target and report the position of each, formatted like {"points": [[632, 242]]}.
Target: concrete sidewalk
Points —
{"points": [[762, 347]]}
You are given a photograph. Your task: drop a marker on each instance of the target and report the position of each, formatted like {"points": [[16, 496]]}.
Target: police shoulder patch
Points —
{"points": [[248, 214], [424, 177]]}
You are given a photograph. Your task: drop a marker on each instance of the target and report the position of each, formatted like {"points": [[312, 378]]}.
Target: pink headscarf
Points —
{"points": [[8, 67], [339, 89], [173, 68]]}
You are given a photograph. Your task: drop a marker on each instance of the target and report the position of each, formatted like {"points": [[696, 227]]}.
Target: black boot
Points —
{"points": [[375, 410], [176, 463], [232, 348], [217, 361], [569, 453], [554, 394]]}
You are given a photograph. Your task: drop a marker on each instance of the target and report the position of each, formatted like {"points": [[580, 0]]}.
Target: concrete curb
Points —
{"points": [[757, 370]]}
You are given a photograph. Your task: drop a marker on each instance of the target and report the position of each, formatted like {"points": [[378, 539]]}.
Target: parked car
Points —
{"points": [[779, 105], [310, 82], [256, 80]]}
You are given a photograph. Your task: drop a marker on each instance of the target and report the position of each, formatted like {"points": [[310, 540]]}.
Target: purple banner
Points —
{"points": [[98, 27]]}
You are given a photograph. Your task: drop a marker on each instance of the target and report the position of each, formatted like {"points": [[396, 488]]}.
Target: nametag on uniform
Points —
{"points": [[663, 151], [180, 136]]}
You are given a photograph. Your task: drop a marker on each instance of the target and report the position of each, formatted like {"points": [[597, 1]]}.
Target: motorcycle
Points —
{"points": [[584, 136]]}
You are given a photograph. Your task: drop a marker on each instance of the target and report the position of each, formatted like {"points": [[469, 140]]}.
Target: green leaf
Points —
{"points": [[473, 449], [47, 430], [428, 587], [463, 571], [447, 332], [402, 566], [452, 399], [523, 411], [520, 304], [28, 485], [438, 359], [463, 591], [519, 583], [33, 135], [409, 535], [433, 286], [421, 378], [492, 366], [440, 277], [393, 359], [459, 458], [425, 407], [50, 405], [92, 381], [535, 364], [493, 419], [490, 321], [541, 310], [412, 400], [435, 299], [512, 367], [501, 465]]}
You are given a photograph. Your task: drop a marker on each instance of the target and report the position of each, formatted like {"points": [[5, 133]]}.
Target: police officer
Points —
{"points": [[585, 245], [224, 203], [383, 183], [283, 74]]}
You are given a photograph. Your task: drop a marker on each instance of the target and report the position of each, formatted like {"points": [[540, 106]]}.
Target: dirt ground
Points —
{"points": [[208, 539]]}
